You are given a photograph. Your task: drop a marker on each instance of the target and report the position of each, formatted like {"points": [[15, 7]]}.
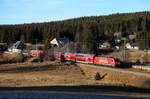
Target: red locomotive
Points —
{"points": [[106, 61]]}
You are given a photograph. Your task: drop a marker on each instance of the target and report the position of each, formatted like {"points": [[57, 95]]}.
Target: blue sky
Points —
{"points": [[32, 11]]}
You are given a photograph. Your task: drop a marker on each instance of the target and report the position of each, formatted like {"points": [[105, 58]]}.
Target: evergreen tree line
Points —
{"points": [[92, 30]]}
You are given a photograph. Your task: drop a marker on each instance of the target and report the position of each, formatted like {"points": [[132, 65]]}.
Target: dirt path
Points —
{"points": [[118, 70], [117, 76]]}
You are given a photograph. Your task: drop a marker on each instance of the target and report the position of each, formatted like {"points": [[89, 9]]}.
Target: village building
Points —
{"points": [[59, 42], [105, 45], [17, 47], [132, 46]]}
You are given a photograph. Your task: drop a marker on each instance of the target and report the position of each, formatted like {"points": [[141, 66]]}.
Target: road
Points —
{"points": [[117, 70]]}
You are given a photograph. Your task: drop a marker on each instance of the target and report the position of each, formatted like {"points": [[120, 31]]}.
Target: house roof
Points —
{"points": [[59, 41], [62, 40], [19, 45]]}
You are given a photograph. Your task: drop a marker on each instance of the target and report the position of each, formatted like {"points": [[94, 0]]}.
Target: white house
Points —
{"points": [[132, 46], [59, 41], [17, 47], [105, 45]]}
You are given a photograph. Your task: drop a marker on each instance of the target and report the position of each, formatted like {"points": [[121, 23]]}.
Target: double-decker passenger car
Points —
{"points": [[36, 53], [70, 56], [83, 58]]}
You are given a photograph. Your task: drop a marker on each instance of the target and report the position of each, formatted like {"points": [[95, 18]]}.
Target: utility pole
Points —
{"points": [[36, 44], [67, 47], [124, 51], [124, 55]]}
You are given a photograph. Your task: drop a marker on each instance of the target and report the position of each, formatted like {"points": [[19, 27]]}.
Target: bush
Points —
{"points": [[13, 58], [17, 57], [48, 57], [143, 83], [97, 76], [52, 58], [138, 62]]}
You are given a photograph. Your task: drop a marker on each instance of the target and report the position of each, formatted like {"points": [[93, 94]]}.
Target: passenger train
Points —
{"points": [[87, 58]]}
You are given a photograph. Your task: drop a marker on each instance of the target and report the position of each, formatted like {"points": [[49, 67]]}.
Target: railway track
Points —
{"points": [[127, 71]]}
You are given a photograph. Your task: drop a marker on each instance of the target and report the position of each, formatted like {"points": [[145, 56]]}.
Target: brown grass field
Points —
{"points": [[56, 74]]}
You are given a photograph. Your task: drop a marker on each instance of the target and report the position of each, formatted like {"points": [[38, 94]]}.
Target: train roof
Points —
{"points": [[106, 57], [84, 54]]}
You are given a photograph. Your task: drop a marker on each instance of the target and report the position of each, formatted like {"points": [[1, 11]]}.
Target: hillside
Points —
{"points": [[92, 30]]}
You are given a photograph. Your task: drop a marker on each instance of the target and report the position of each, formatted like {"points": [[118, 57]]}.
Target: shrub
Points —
{"points": [[97, 76], [17, 57], [52, 58], [138, 62], [144, 83], [48, 57]]}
